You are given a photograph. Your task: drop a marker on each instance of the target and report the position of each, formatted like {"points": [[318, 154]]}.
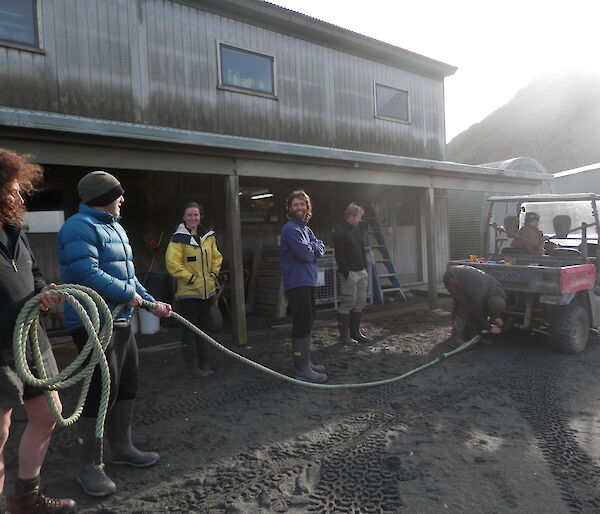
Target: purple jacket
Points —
{"points": [[298, 253]]}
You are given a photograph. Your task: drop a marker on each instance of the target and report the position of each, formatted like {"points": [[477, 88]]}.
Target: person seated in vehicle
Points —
{"points": [[530, 237], [479, 301]]}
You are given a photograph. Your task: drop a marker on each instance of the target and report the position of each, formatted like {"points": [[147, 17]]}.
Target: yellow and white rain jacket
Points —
{"points": [[194, 261]]}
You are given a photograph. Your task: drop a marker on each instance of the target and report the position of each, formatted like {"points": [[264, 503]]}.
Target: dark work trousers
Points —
{"points": [[193, 346], [122, 357], [302, 305]]}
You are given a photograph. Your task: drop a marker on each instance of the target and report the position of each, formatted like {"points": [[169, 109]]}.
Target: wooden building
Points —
{"points": [[221, 101]]}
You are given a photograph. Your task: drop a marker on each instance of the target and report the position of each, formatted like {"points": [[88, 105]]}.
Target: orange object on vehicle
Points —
{"points": [[577, 278]]}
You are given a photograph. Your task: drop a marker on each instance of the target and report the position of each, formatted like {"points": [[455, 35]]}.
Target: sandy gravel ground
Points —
{"points": [[508, 426]]}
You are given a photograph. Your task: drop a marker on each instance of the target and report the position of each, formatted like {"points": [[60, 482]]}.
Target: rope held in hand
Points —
{"points": [[82, 368], [90, 307]]}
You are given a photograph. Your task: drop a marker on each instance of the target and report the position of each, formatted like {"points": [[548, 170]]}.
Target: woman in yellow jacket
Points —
{"points": [[193, 259]]}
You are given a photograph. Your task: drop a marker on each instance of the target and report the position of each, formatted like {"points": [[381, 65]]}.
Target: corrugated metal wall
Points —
{"points": [[465, 210], [155, 62]]}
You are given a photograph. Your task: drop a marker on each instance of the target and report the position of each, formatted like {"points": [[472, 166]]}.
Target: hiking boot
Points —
{"points": [[344, 328], [36, 502], [118, 432], [301, 355], [355, 332]]}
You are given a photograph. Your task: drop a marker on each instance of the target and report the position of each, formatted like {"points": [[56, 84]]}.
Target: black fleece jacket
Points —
{"points": [[349, 249], [20, 279]]}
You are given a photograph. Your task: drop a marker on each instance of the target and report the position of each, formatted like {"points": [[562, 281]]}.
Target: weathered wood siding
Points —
{"points": [[155, 62]]}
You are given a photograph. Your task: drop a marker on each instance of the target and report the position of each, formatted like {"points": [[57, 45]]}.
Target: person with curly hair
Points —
{"points": [[21, 279], [298, 253]]}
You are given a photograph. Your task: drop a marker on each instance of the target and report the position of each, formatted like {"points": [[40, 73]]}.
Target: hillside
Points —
{"points": [[555, 120]]}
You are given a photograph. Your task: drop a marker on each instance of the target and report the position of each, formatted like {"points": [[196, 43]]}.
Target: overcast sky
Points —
{"points": [[498, 47]]}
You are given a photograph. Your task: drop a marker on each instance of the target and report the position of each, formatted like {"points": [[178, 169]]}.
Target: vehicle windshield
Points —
{"points": [[562, 220]]}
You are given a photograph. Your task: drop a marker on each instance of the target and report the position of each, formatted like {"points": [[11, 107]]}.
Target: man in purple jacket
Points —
{"points": [[298, 253]]}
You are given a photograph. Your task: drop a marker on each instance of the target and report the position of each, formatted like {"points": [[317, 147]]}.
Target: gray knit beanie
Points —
{"points": [[99, 188]]}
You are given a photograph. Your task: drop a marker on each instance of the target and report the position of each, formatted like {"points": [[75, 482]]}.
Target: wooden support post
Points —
{"points": [[236, 263], [429, 194]]}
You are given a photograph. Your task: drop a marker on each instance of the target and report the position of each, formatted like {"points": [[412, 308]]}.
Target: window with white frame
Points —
{"points": [[391, 103], [243, 69], [18, 22]]}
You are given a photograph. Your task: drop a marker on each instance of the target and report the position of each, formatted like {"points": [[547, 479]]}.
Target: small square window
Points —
{"points": [[391, 103], [242, 69], [18, 22]]}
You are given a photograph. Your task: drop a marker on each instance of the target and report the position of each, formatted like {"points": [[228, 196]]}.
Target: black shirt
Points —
{"points": [[349, 249], [20, 279]]}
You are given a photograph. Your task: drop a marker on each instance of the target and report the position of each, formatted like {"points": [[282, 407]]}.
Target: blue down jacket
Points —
{"points": [[94, 251]]}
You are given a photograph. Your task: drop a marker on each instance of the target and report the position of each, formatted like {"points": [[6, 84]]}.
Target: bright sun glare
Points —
{"points": [[498, 47]]}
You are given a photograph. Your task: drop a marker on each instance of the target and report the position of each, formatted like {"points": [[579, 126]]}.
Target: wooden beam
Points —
{"points": [[429, 195], [236, 263]]}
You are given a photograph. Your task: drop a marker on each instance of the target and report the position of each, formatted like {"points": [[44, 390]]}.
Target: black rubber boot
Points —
{"points": [[317, 368], [192, 370], [29, 499], [344, 328], [301, 354], [118, 432], [202, 359], [93, 479], [355, 332], [190, 355]]}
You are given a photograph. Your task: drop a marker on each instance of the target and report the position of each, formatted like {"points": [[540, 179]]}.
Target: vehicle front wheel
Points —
{"points": [[570, 329]]}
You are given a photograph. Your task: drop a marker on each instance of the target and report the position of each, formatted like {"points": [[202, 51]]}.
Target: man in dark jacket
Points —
{"points": [[530, 237], [94, 251], [298, 253], [352, 267], [479, 299], [20, 280]]}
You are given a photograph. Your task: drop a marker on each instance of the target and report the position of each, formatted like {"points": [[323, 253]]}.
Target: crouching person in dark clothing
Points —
{"points": [[352, 266], [479, 300], [94, 251]]}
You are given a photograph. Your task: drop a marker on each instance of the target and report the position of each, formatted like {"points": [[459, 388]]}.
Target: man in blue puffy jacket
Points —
{"points": [[298, 253], [94, 251]]}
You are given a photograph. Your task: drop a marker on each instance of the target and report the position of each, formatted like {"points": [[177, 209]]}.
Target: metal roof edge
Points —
{"points": [[545, 197], [575, 171], [269, 15], [23, 118]]}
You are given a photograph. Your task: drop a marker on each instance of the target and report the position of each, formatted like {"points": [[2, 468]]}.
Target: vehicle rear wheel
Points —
{"points": [[570, 329]]}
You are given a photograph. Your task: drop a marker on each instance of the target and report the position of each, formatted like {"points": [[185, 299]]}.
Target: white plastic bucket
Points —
{"points": [[149, 323]]}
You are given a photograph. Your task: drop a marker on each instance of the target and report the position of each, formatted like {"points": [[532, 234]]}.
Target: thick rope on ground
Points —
{"points": [[273, 373], [91, 308]]}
